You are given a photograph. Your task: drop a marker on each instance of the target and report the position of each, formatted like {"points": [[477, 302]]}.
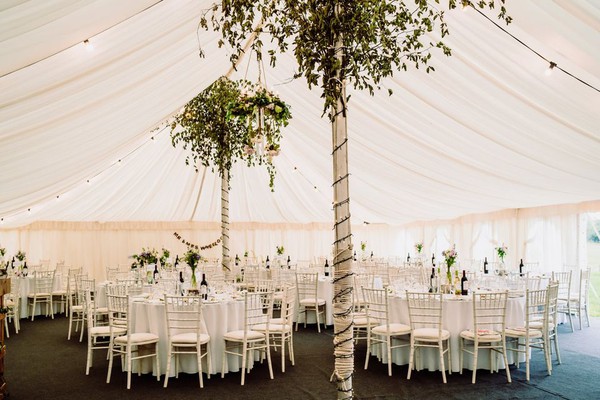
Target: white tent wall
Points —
{"points": [[551, 236]]}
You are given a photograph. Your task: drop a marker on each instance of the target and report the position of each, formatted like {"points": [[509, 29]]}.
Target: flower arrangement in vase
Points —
{"points": [[501, 251], [450, 257], [280, 250], [192, 258], [419, 247]]}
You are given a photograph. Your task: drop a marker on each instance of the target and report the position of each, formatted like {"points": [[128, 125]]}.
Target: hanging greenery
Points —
{"points": [[231, 121], [379, 37]]}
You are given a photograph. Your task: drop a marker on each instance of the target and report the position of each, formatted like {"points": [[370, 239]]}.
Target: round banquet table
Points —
{"points": [[219, 318], [457, 316]]}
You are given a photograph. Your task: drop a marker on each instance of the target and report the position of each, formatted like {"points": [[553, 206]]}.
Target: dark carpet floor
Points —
{"points": [[42, 364]]}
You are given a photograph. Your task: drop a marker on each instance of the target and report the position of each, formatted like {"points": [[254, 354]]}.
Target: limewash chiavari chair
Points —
{"points": [[43, 283], [128, 345], [488, 332], [258, 308], [425, 311], [308, 299], [381, 331], [185, 333]]}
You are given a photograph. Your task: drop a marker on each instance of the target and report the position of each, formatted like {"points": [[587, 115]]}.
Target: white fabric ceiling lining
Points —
{"points": [[24, 39], [491, 130]]}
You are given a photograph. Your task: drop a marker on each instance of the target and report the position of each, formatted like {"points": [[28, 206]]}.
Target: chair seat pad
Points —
{"points": [[43, 294], [362, 321], [239, 335], [273, 328], [521, 331], [539, 325], [59, 293], [483, 335], [102, 310], [312, 302], [394, 329], [78, 308], [137, 338], [430, 334], [278, 296], [274, 321], [105, 331], [190, 338]]}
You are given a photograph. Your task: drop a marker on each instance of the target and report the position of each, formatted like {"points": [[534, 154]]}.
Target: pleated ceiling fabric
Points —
{"points": [[83, 137]]}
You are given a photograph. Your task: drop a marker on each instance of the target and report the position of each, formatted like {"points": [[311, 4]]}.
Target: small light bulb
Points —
{"points": [[88, 45], [550, 68]]}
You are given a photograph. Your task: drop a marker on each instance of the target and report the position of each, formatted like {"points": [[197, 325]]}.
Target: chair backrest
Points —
{"points": [[376, 306], [536, 306], [86, 285], [585, 277], [288, 304], [258, 308], [552, 304], [43, 281], [183, 314], [264, 285], [307, 285], [111, 273], [564, 283], [118, 305], [425, 310], [489, 311]]}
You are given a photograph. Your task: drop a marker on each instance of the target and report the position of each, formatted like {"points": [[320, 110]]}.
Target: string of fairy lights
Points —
{"points": [[88, 44], [89, 181]]}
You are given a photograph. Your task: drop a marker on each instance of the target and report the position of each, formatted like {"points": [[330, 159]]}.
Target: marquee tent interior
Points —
{"points": [[486, 149]]}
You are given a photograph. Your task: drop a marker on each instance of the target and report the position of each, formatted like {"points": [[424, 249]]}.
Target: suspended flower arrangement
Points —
{"points": [[229, 121], [264, 114]]}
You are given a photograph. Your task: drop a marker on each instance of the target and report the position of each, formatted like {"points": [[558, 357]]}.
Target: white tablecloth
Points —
{"points": [[457, 316], [219, 318]]}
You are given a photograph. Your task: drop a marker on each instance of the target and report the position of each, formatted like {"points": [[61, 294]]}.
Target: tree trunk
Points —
{"points": [[342, 300], [225, 224]]}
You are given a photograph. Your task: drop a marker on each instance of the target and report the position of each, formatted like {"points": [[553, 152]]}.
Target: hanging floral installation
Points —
{"points": [[247, 126]]}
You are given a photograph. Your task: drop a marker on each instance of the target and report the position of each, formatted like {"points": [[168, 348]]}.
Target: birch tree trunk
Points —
{"points": [[225, 224], [342, 300]]}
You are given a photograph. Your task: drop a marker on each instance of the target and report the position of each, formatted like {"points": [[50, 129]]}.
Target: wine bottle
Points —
{"points": [[180, 281], [155, 274], [354, 255], [204, 287], [408, 258], [176, 261], [237, 260], [326, 268], [485, 266], [433, 259], [464, 284], [268, 263], [432, 288], [12, 263], [289, 262], [456, 283], [25, 269], [371, 256], [521, 268]]}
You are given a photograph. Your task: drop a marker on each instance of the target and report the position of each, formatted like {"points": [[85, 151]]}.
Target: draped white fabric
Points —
{"points": [[487, 133]]}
